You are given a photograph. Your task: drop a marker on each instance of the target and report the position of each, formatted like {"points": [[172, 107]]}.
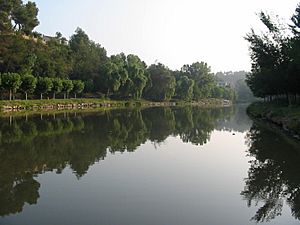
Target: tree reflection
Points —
{"points": [[274, 174], [33, 145]]}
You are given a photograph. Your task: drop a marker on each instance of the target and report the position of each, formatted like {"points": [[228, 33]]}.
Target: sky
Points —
{"points": [[172, 32]]}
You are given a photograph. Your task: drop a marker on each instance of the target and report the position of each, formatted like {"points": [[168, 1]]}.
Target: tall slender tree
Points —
{"points": [[11, 82], [28, 84]]}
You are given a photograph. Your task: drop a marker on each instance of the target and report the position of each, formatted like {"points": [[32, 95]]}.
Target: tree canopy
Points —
{"points": [[275, 59]]}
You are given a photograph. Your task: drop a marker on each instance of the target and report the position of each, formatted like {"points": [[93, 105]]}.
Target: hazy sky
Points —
{"points": [[173, 32]]}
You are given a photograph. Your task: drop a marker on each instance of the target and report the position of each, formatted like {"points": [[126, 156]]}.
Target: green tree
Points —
{"points": [[24, 16], [16, 53], [5, 15], [44, 85], [163, 83], [28, 84], [15, 15], [203, 79], [137, 79], [294, 54], [57, 86], [184, 88], [88, 86], [67, 87], [11, 82], [115, 74], [111, 78], [269, 53], [88, 57], [78, 87]]}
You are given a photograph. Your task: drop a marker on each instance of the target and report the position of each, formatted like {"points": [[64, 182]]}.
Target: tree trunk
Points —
{"points": [[26, 96], [75, 95], [41, 96], [289, 100], [10, 95], [53, 95], [64, 95]]}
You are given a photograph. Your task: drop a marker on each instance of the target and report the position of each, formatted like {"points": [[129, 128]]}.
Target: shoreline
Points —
{"points": [[283, 117], [82, 104]]}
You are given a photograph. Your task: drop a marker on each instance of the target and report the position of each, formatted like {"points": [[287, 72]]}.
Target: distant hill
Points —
{"points": [[236, 80]]}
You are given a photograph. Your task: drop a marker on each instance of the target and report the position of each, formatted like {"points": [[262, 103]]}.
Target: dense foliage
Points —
{"points": [[40, 62], [275, 58]]}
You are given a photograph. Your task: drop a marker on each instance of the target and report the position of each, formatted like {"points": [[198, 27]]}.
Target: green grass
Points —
{"points": [[30, 104], [287, 117], [51, 105], [261, 109]]}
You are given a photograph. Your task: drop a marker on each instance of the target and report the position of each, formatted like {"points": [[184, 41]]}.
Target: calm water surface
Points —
{"points": [[157, 166]]}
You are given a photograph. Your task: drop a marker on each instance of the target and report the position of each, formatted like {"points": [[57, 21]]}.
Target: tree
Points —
{"points": [[269, 53], [78, 87], [88, 86], [137, 78], [28, 84], [88, 57], [203, 79], [67, 87], [184, 88], [16, 53], [25, 16], [294, 54], [11, 82], [111, 78], [14, 15], [57, 86], [163, 83], [114, 74], [43, 86], [5, 15]]}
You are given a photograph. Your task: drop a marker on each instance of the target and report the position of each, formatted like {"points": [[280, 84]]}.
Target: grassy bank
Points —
{"points": [[61, 104], [71, 104], [286, 117]]}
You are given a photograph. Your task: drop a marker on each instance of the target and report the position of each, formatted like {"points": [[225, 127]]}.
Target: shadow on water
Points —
{"points": [[30, 146], [274, 173]]}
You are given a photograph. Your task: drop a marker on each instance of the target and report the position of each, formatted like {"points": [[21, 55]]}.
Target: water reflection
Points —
{"points": [[33, 145], [239, 121], [274, 174]]}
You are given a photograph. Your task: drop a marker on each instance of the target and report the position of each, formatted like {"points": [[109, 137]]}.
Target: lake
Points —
{"points": [[154, 166]]}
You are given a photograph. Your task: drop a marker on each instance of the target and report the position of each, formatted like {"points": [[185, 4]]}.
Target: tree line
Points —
{"points": [[119, 76], [28, 84], [275, 55]]}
